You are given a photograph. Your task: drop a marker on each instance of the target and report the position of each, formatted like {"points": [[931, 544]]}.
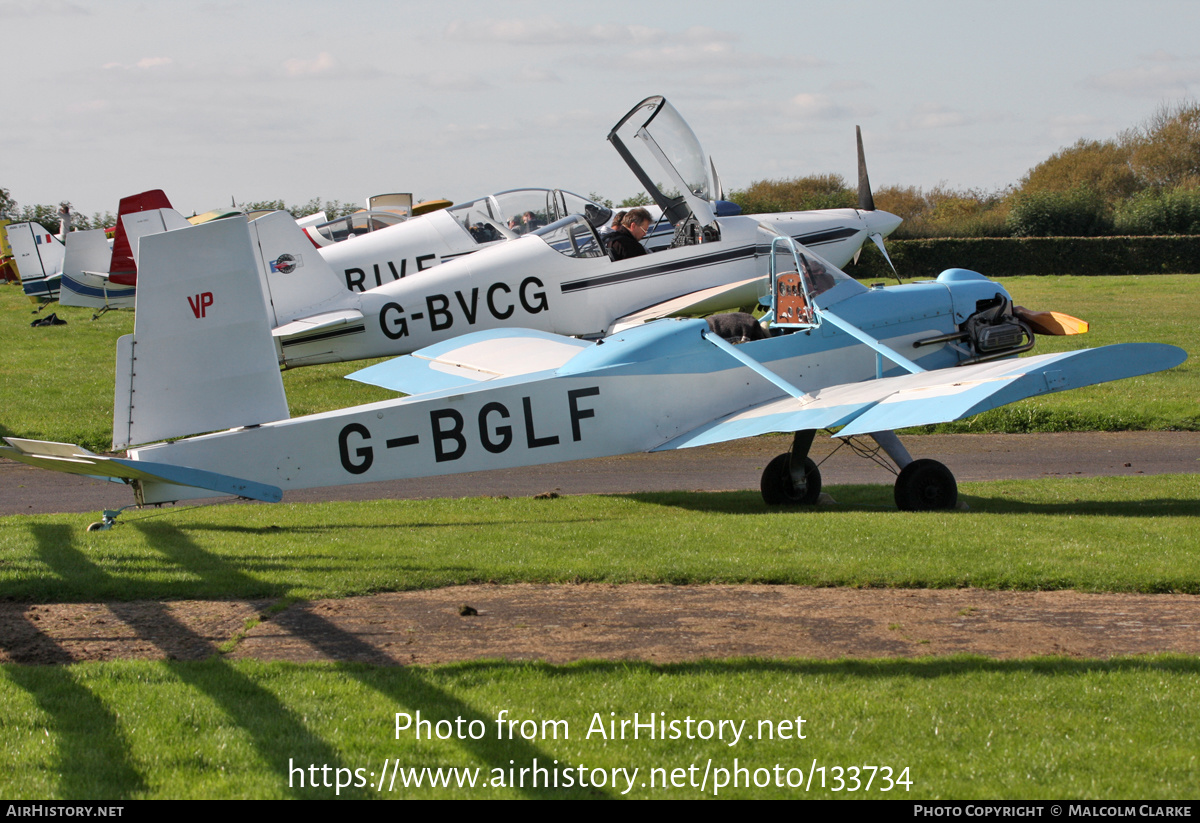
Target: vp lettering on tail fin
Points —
{"points": [[201, 356]]}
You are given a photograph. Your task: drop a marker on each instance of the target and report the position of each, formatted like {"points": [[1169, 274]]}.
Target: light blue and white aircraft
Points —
{"points": [[868, 360]]}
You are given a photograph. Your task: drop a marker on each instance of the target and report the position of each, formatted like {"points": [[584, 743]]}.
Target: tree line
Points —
{"points": [[1144, 181], [48, 216]]}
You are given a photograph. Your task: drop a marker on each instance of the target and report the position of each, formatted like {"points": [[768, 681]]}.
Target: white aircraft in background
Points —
{"points": [[936, 351], [38, 255], [382, 211], [101, 274], [375, 295]]}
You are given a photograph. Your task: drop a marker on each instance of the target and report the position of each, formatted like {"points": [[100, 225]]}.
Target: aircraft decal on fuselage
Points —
{"points": [[356, 278], [500, 300], [373, 275], [818, 238], [674, 266], [452, 436], [316, 337]]}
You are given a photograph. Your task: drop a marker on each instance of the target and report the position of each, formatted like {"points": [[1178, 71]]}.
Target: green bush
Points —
{"points": [[1009, 256], [1152, 212], [1080, 212], [820, 191]]}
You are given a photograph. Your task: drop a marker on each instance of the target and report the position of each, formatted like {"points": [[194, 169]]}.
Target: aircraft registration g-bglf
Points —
{"points": [[557, 277], [840, 355]]}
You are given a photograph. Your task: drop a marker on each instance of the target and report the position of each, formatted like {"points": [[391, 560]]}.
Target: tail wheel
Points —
{"points": [[925, 485], [779, 489]]}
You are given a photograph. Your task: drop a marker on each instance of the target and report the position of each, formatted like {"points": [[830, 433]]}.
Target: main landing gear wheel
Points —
{"points": [[778, 488], [925, 485]]}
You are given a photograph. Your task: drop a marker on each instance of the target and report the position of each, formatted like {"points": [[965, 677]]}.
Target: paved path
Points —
{"points": [[728, 466]]}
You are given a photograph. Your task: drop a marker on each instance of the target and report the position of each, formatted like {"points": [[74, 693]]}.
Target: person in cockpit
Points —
{"points": [[625, 242]]}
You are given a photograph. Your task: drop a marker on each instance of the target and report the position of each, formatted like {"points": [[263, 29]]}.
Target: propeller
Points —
{"points": [[866, 202]]}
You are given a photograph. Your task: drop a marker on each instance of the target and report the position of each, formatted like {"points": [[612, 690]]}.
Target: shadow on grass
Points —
{"points": [[926, 668], [410, 689], [1150, 507], [333, 528], [93, 756], [863, 499]]}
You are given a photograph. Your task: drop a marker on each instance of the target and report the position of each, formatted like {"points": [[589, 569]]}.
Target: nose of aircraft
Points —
{"points": [[881, 222]]}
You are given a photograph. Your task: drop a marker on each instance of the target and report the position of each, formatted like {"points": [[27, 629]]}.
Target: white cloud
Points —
{"points": [[544, 31], [705, 34], [321, 64], [452, 81], [849, 85], [144, 63], [1069, 127], [709, 53], [45, 8], [88, 106], [818, 107], [932, 116], [1164, 77], [533, 74]]}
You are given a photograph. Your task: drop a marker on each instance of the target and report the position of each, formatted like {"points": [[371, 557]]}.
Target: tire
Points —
{"points": [[779, 490], [926, 485]]}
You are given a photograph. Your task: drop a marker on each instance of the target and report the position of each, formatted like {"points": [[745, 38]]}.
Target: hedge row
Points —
{"points": [[1009, 256]]}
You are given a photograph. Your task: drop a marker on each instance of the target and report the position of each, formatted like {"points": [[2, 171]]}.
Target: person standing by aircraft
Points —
{"points": [[626, 241]]}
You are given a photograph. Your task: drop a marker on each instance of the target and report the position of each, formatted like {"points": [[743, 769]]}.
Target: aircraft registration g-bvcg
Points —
{"points": [[868, 360], [358, 298]]}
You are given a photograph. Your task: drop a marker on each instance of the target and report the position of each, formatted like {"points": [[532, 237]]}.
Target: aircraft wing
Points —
{"points": [[936, 396], [471, 359], [704, 301], [72, 459]]}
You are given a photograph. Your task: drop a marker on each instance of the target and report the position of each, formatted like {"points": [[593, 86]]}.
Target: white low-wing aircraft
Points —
{"points": [[38, 255], [840, 355], [358, 298], [101, 275], [556, 277]]}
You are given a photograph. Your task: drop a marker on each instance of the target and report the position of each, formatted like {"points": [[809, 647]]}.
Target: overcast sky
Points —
{"points": [[294, 100]]}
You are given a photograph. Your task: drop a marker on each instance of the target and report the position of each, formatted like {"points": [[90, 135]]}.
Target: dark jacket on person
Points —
{"points": [[622, 245]]}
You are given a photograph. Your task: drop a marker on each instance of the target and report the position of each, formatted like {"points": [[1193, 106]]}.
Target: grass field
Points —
{"points": [[1102, 534], [958, 728], [964, 728], [949, 728]]}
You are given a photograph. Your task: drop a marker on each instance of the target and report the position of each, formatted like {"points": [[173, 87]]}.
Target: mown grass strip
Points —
{"points": [[1101, 534], [964, 728]]}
